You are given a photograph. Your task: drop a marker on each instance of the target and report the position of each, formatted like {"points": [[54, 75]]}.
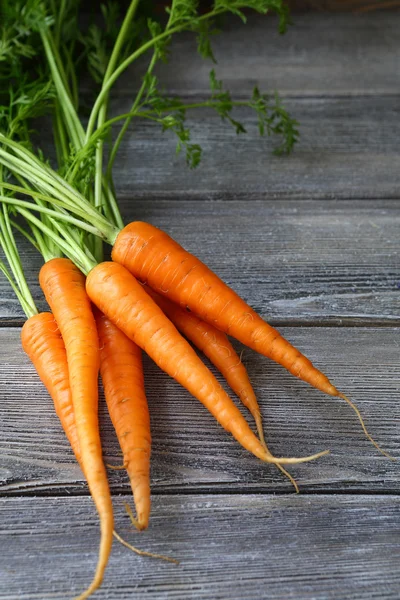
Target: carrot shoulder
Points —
{"points": [[41, 340], [121, 371], [119, 296], [64, 288]]}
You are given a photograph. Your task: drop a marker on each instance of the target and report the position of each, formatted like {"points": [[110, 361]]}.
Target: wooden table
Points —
{"points": [[312, 242]]}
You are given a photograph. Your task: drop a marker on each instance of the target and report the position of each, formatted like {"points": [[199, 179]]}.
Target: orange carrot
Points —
{"points": [[121, 371], [217, 347], [156, 259], [41, 340], [64, 287], [119, 296]]}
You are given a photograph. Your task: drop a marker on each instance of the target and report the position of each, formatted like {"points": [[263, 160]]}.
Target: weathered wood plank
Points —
{"points": [[321, 54], [241, 547], [314, 261], [191, 452], [348, 148], [348, 145]]}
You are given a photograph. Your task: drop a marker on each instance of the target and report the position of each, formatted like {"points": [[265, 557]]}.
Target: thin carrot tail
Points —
{"points": [[141, 496], [288, 475], [132, 518], [292, 460], [279, 466], [117, 467], [260, 429], [143, 552], [371, 439], [104, 553], [141, 521]]}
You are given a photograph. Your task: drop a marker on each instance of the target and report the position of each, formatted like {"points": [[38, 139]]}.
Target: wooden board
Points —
{"points": [[304, 261], [348, 148], [311, 241], [239, 547], [318, 56], [191, 452]]}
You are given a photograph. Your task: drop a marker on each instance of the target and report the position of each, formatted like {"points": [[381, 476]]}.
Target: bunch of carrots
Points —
{"points": [[153, 296]]}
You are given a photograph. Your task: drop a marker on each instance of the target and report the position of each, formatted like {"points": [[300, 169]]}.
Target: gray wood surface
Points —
{"points": [[342, 74], [191, 452], [240, 547], [329, 55], [348, 149], [312, 242], [308, 261]]}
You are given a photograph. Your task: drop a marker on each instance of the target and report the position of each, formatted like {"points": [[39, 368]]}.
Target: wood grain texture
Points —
{"points": [[319, 55], [190, 452], [309, 240], [239, 547], [304, 261], [348, 148]]}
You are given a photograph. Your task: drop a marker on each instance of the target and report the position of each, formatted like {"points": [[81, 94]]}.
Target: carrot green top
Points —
{"points": [[14, 272], [44, 43]]}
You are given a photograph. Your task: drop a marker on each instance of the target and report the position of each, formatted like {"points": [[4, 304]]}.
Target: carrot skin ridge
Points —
{"points": [[121, 371], [124, 301], [41, 340], [156, 259], [64, 288]]}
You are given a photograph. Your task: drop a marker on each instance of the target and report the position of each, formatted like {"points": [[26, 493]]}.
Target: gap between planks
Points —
{"points": [[332, 322], [209, 490]]}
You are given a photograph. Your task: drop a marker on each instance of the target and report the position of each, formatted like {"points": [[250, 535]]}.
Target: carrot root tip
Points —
{"points": [[292, 461], [90, 590], [143, 552], [260, 430], [262, 440], [354, 407], [291, 479], [117, 467], [135, 520]]}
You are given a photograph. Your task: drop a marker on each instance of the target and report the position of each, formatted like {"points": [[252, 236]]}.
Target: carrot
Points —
{"points": [[42, 342], [124, 301], [157, 260], [217, 347], [64, 288], [121, 371]]}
